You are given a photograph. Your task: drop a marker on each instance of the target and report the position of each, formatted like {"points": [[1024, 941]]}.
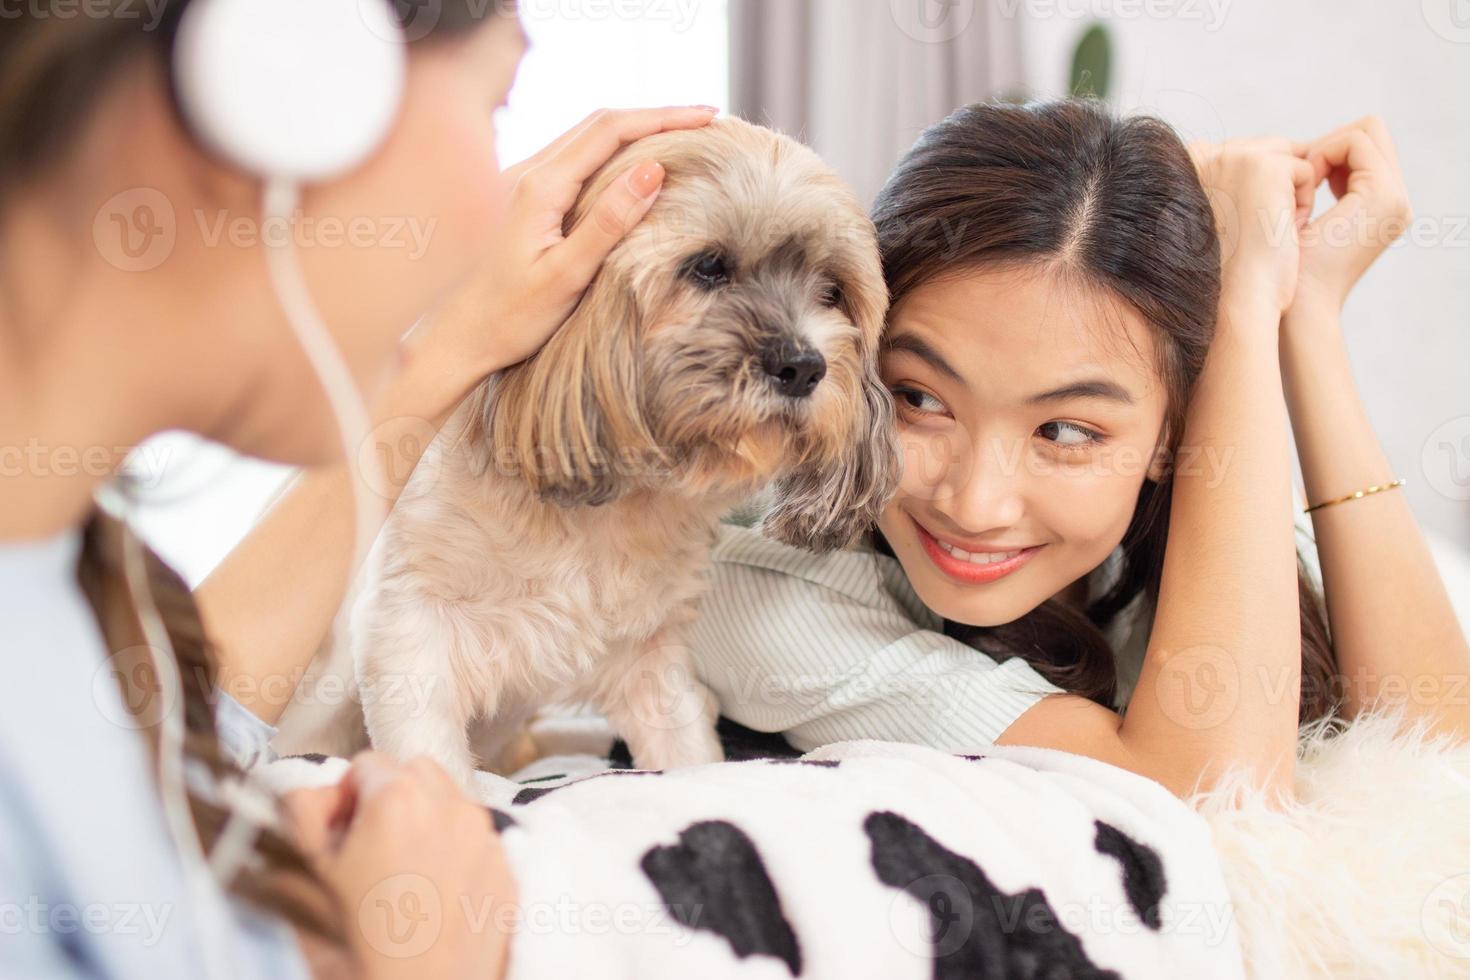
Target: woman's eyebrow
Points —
{"points": [[920, 348], [1087, 388], [1090, 388]]}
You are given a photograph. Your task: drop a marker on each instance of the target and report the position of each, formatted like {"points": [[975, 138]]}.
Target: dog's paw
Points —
{"points": [[682, 749], [520, 753]]}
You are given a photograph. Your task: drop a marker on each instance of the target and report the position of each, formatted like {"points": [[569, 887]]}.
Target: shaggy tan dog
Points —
{"points": [[554, 539]]}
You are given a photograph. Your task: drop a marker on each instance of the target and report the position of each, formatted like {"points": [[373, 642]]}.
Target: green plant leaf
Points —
{"points": [[1092, 63]]}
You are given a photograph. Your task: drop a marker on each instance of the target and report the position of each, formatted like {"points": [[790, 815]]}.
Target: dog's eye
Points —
{"points": [[709, 270], [832, 295]]}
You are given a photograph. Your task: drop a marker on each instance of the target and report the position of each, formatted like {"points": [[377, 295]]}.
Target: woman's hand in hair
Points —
{"points": [[1361, 166], [417, 867], [534, 275], [1262, 191]]}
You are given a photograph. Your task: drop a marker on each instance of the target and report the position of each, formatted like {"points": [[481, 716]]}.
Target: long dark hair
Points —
{"points": [[1115, 203], [52, 72]]}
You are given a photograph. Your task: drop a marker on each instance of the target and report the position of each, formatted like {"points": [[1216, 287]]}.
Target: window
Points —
{"points": [[589, 54]]}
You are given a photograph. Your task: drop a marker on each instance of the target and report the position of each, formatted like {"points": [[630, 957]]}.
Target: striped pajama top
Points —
{"points": [[828, 648]]}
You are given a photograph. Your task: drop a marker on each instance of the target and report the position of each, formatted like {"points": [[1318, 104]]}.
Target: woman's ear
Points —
{"points": [[568, 420], [1162, 460]]}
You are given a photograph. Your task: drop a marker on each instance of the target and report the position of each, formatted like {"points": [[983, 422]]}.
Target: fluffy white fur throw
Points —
{"points": [[1367, 873]]}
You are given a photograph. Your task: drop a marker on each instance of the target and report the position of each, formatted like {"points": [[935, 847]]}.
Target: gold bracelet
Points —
{"points": [[1357, 496]]}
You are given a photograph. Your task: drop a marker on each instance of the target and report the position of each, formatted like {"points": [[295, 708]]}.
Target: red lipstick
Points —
{"points": [[968, 572]]}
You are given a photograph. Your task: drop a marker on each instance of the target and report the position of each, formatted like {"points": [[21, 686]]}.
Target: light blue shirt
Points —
{"points": [[90, 883]]}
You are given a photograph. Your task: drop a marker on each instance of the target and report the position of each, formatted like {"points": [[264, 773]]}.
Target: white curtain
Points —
{"points": [[859, 80]]}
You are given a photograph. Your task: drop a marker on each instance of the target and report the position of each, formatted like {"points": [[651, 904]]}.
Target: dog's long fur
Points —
{"points": [[553, 540]]}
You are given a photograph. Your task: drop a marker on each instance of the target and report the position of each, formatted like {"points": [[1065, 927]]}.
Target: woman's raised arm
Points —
{"points": [[1394, 630], [1221, 678]]}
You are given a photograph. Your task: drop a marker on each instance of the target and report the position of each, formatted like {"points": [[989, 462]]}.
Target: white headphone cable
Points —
{"points": [[278, 206], [207, 898], [348, 407], [207, 875]]}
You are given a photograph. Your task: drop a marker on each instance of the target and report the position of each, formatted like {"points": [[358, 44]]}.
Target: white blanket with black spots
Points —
{"points": [[863, 859]]}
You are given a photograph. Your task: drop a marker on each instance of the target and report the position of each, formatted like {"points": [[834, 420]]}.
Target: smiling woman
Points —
{"points": [[1043, 358], [1031, 416], [1096, 505], [1057, 284]]}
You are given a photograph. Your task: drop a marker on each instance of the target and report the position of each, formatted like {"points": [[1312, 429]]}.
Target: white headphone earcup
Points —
{"points": [[296, 90]]}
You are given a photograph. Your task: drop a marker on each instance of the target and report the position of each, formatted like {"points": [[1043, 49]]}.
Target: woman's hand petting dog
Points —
{"points": [[534, 274], [417, 867]]}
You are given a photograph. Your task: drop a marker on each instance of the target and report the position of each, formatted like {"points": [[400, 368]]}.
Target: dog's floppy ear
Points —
{"points": [[839, 492], [569, 420]]}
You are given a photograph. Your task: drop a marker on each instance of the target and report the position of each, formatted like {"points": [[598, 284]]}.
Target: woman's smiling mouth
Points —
{"points": [[972, 568]]}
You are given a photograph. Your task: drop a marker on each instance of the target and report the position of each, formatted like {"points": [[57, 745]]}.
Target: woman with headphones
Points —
{"points": [[129, 846]]}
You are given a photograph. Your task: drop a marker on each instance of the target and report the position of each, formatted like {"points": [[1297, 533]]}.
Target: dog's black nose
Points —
{"points": [[795, 371]]}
